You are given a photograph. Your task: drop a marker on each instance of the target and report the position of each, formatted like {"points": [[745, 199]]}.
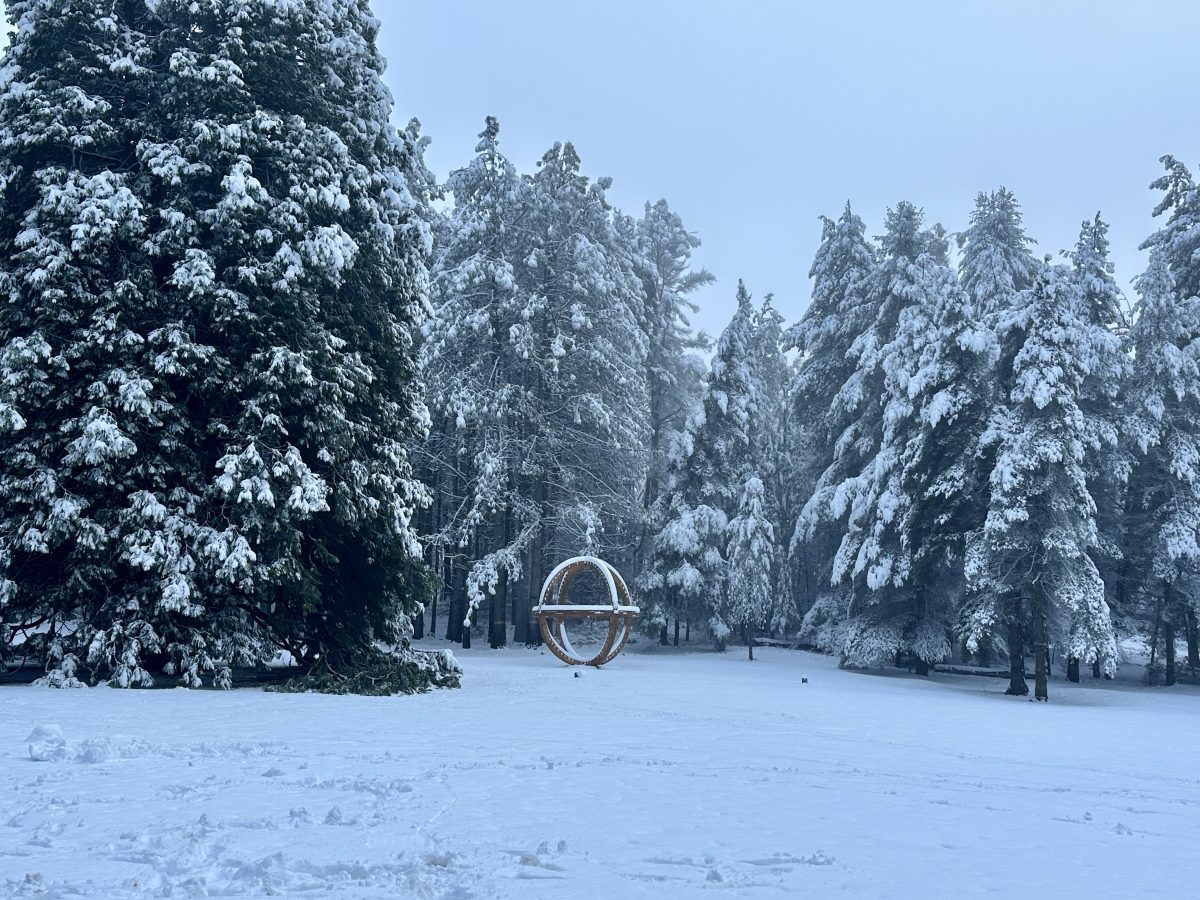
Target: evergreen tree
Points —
{"points": [[1163, 509], [751, 555], [770, 445], [1167, 397], [839, 312], [80, 398], [996, 261], [710, 459], [1109, 465], [480, 400], [995, 266], [536, 361], [1040, 523], [245, 235], [894, 549], [673, 374]]}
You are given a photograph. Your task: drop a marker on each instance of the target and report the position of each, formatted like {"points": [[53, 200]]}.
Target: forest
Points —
{"points": [[269, 385], [959, 451]]}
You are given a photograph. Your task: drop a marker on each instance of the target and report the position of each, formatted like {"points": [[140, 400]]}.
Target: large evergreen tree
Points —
{"points": [[710, 461], [537, 363], [892, 550], [751, 555], [244, 236], [1163, 509], [838, 313], [995, 266], [1040, 526], [674, 373]]}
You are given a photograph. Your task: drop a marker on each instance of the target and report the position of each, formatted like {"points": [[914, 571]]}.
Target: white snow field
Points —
{"points": [[673, 775]]}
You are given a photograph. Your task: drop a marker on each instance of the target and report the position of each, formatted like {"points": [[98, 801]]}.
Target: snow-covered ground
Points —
{"points": [[674, 775]]}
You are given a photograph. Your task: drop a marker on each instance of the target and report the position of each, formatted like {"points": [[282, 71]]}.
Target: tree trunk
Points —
{"points": [[1073, 669], [663, 638], [1096, 668], [522, 609], [433, 610], [1169, 651], [750, 645], [1193, 641], [1041, 652], [533, 632], [497, 624], [456, 607], [522, 613], [677, 631], [1016, 662], [687, 631]]}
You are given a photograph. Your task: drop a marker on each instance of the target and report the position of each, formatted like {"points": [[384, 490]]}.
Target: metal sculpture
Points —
{"points": [[553, 610]]}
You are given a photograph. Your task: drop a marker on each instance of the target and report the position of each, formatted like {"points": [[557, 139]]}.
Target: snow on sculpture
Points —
{"points": [[553, 610]]}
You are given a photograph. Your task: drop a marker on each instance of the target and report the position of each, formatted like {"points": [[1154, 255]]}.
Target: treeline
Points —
{"points": [[960, 450]]}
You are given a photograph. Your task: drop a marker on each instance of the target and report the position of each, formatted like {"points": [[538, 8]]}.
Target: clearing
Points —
{"points": [[665, 775]]}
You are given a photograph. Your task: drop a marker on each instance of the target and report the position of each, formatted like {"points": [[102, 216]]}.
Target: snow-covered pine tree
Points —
{"points": [[238, 393], [585, 365], [771, 438], [1040, 523], [673, 371], [996, 262], [751, 556], [893, 550], [537, 368], [479, 400], [995, 265], [1109, 465], [711, 460], [837, 314], [1163, 506], [292, 234]]}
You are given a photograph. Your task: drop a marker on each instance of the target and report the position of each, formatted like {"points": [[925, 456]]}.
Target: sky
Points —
{"points": [[754, 118]]}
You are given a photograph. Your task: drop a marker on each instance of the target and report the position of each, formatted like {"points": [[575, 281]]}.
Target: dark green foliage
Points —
{"points": [[376, 673]]}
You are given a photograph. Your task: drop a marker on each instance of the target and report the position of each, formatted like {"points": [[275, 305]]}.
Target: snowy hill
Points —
{"points": [[666, 776]]}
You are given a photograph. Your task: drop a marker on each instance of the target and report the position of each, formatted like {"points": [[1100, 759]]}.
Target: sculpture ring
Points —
{"points": [[553, 609]]}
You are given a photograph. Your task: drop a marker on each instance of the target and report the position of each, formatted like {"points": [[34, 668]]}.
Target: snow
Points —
{"points": [[666, 775]]}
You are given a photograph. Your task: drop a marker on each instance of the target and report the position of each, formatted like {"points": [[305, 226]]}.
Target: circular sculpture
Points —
{"points": [[553, 610]]}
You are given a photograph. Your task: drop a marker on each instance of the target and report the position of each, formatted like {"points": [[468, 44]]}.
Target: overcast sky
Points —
{"points": [[754, 117]]}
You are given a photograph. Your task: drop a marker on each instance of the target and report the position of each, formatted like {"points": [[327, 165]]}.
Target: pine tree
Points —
{"points": [[709, 461], [1109, 465], [995, 266], [839, 312], [894, 550], [674, 374], [996, 261], [81, 398], [770, 446], [1040, 523], [751, 555], [537, 368], [1163, 508], [480, 401], [239, 394]]}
